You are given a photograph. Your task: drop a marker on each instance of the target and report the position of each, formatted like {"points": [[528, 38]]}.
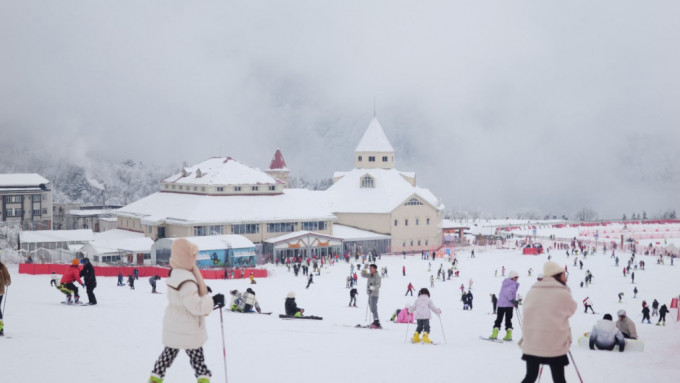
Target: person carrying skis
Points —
{"points": [[291, 306], [588, 304], [662, 315], [152, 282], [605, 335], [87, 273], [353, 297], [506, 302], [188, 304], [66, 285], [409, 289], [626, 325], [546, 334], [645, 314], [5, 281], [421, 309], [373, 291]]}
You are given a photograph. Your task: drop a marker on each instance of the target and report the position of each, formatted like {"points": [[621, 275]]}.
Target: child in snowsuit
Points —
{"points": [[5, 281], [605, 335], [353, 297], [54, 279], [291, 306], [188, 304], [645, 314], [662, 315], [421, 309], [66, 285]]}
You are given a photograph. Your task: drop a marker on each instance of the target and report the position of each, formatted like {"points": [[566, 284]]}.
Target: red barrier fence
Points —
{"points": [[144, 271]]}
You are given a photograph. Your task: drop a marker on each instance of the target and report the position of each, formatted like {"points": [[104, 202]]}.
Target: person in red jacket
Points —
{"points": [[67, 286]]}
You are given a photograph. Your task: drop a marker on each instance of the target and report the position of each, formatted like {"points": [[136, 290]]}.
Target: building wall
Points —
{"points": [[416, 234], [31, 208], [378, 223], [361, 160]]}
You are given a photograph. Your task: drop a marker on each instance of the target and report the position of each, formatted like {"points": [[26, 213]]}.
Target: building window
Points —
{"points": [[220, 188], [418, 242], [216, 229], [36, 211], [371, 158], [403, 244], [361, 158], [195, 188], [250, 228], [281, 227], [428, 221], [272, 188], [417, 221], [396, 222], [36, 197], [199, 231], [254, 188], [413, 201], [237, 188], [384, 159], [411, 243], [426, 242], [314, 225], [173, 187], [406, 222], [367, 182], [44, 211], [203, 188]]}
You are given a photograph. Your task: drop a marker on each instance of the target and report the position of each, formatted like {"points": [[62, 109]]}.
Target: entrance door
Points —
{"points": [[140, 259]]}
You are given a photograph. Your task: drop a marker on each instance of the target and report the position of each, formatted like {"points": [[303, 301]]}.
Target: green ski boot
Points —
{"points": [[508, 335], [494, 334], [203, 379], [155, 379]]}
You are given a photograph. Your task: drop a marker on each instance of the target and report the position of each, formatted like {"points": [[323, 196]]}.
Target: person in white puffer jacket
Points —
{"points": [[188, 304], [421, 309], [605, 335]]}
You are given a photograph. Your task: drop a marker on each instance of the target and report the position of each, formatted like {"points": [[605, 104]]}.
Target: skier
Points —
{"points": [[494, 301], [403, 269], [645, 314], [632, 277], [291, 306], [183, 321], [5, 281], [626, 325], [620, 296], [469, 299], [252, 278], [310, 280], [131, 281], [605, 335], [421, 309], [87, 273], [120, 280], [54, 279], [409, 289], [353, 297], [432, 281], [662, 315], [136, 273], [635, 291], [506, 303], [66, 285], [152, 282], [588, 304], [373, 290], [546, 334], [655, 308], [463, 298]]}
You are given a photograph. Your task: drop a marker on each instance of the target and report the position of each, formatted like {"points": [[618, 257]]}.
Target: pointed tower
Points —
{"points": [[374, 150], [278, 168]]}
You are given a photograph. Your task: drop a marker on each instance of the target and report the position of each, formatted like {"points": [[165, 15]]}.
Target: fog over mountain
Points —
{"points": [[499, 107]]}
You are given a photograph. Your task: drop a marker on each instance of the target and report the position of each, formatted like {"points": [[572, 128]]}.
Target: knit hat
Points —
{"points": [[75, 262], [621, 313], [291, 295], [183, 256], [552, 268], [513, 274]]}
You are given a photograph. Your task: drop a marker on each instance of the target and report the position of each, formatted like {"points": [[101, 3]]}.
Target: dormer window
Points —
{"points": [[185, 172], [199, 173], [413, 202], [367, 182]]}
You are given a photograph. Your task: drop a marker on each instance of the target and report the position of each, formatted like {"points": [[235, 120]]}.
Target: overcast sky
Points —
{"points": [[498, 106]]}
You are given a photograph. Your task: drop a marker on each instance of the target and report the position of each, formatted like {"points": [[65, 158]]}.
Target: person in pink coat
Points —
{"points": [[546, 333]]}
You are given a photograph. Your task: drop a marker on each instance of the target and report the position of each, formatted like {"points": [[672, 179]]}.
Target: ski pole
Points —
{"points": [[576, 368], [442, 324], [4, 304], [540, 372], [406, 335], [224, 348], [368, 304]]}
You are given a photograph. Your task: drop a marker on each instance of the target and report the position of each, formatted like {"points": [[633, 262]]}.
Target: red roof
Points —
{"points": [[278, 162]]}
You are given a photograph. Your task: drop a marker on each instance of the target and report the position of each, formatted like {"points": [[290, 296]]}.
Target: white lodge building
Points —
{"points": [[374, 196], [224, 196]]}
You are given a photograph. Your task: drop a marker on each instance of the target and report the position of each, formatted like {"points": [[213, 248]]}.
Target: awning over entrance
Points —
{"points": [[303, 243]]}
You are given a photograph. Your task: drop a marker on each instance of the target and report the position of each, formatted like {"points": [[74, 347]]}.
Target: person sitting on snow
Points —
{"points": [[248, 301], [235, 300], [605, 335], [626, 325], [291, 306]]}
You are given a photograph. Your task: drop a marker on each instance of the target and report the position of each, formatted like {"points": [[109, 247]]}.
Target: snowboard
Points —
{"points": [[282, 316], [73, 304], [631, 344]]}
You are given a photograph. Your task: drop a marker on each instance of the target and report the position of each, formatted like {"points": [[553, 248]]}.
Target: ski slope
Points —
{"points": [[120, 339]]}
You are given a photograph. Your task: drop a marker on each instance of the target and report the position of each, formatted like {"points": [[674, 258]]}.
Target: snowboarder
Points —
{"points": [[373, 290], [310, 280], [506, 303], [605, 335], [54, 279], [546, 334], [353, 297], [66, 285], [588, 304], [645, 314], [626, 325], [188, 304], [5, 281], [291, 306], [421, 309], [152, 282], [88, 275], [662, 315], [494, 301], [409, 289]]}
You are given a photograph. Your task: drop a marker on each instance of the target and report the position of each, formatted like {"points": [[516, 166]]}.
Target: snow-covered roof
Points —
{"points": [[110, 246], [278, 163], [189, 209], [28, 179], [82, 235], [451, 224], [391, 190], [91, 212], [374, 139], [299, 234], [222, 171], [116, 234], [348, 233], [218, 242]]}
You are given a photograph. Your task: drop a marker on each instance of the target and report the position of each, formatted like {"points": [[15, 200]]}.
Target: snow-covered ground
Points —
{"points": [[119, 339]]}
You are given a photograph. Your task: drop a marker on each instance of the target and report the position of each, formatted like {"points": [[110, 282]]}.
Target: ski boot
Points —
{"points": [[77, 301], [69, 300], [155, 379], [494, 334], [508, 335], [203, 379], [426, 338], [2, 328], [376, 324], [416, 338]]}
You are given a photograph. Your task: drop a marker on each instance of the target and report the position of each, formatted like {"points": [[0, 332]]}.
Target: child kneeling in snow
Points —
{"points": [[421, 309], [188, 304]]}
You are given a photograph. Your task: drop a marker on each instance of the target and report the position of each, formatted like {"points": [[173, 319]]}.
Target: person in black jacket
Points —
{"points": [[655, 308], [494, 302], [469, 299], [153, 281], [353, 297], [662, 315], [87, 273], [645, 314], [291, 307]]}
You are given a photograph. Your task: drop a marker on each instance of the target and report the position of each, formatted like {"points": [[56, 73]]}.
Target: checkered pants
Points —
{"points": [[195, 358]]}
